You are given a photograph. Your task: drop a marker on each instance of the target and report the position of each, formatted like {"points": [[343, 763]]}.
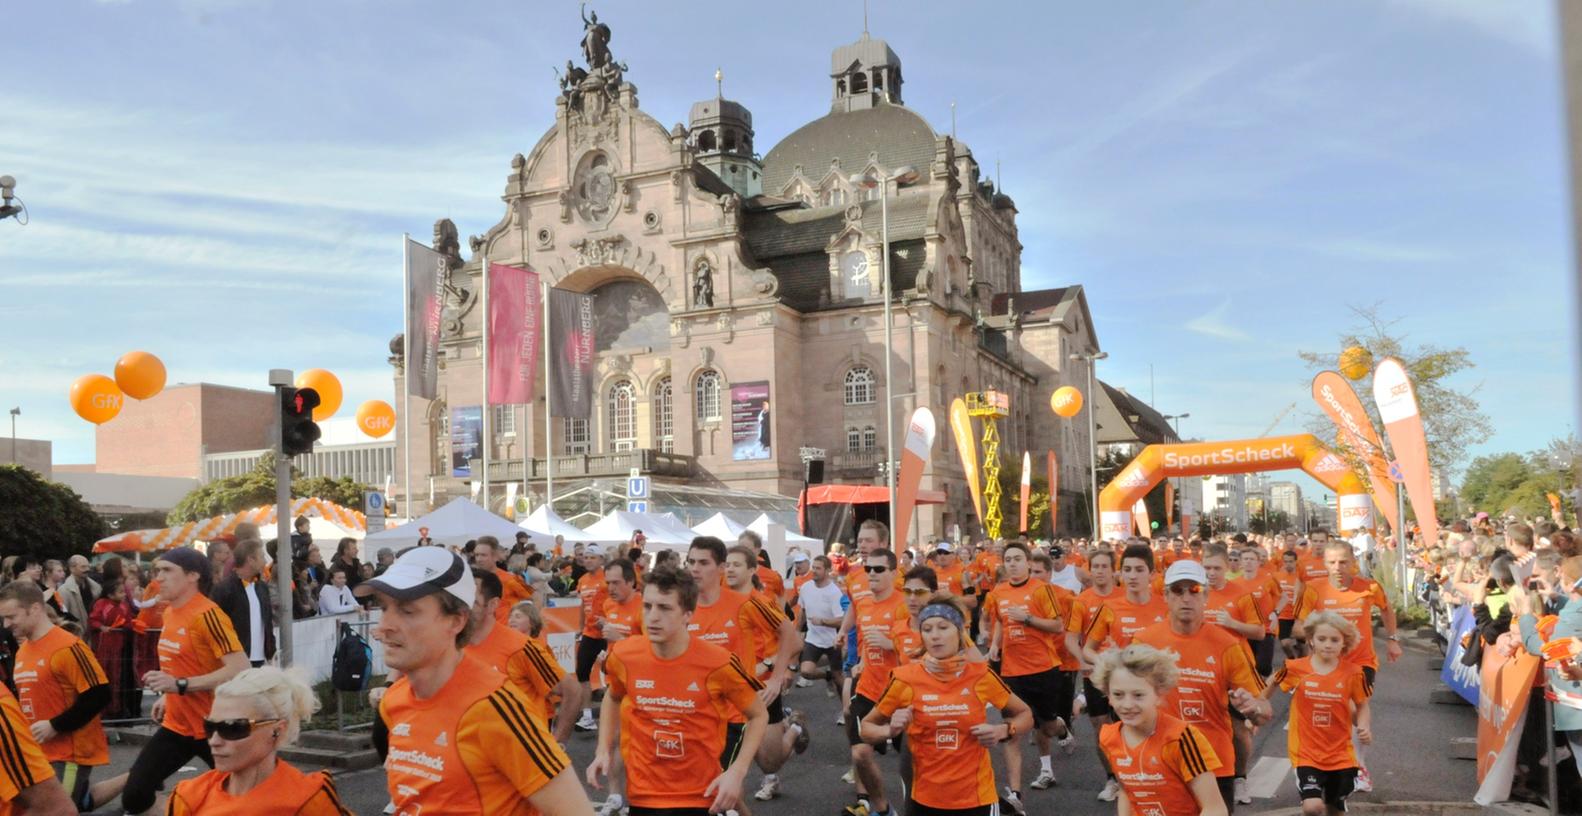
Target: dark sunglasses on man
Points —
{"points": [[875, 569]]}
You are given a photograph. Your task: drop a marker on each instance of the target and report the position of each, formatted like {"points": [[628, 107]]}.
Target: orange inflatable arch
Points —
{"points": [[1159, 462]]}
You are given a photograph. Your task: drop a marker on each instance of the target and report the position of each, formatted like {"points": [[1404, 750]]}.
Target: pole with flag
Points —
{"points": [[488, 408], [406, 366], [427, 273], [549, 431]]}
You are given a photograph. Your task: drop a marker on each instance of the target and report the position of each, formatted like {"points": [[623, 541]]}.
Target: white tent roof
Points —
{"points": [[544, 524], [721, 527], [674, 525], [455, 523], [760, 526], [618, 525]]}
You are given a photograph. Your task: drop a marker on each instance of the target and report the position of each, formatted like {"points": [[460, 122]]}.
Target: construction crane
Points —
{"points": [[990, 406], [1277, 419]]}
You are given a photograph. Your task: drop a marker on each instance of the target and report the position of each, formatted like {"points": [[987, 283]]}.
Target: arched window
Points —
{"points": [[621, 413], [859, 82], [853, 439], [706, 396], [706, 141], [859, 386], [870, 438], [664, 416]]}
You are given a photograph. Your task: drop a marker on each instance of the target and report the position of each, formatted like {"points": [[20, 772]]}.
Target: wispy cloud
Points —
{"points": [[1216, 323], [1529, 25]]}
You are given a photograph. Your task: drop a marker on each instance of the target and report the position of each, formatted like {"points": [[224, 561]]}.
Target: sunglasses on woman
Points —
{"points": [[233, 730]]}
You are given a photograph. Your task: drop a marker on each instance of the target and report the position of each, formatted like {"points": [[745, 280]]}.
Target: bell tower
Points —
{"points": [[722, 135], [865, 74]]}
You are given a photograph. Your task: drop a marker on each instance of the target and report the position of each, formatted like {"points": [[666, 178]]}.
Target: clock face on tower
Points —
{"points": [[854, 268]]}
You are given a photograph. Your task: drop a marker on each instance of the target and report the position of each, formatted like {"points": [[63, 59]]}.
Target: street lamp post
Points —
{"points": [[904, 175], [15, 412], [1092, 359]]}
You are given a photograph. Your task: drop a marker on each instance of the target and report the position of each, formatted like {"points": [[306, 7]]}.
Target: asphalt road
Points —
{"points": [[1410, 760]]}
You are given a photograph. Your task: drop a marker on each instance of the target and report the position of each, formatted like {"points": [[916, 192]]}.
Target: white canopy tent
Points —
{"points": [[617, 527], [544, 524], [720, 526], [455, 523], [761, 524]]}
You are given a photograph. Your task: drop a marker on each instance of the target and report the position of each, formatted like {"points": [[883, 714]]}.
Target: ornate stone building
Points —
{"points": [[719, 274]]}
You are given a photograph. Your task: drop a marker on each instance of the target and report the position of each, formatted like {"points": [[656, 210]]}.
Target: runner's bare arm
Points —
{"points": [[563, 794], [47, 798], [1205, 789]]}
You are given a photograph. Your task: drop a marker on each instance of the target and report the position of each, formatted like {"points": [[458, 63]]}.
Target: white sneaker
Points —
{"points": [[1243, 796], [1045, 781], [1364, 781], [613, 805], [587, 724], [769, 789], [841, 720], [850, 776], [390, 808], [803, 682], [1111, 792], [1068, 743], [1014, 800]]}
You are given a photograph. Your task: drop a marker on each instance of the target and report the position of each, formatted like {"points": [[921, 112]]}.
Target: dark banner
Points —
{"points": [[570, 340], [427, 274], [750, 421], [466, 439]]}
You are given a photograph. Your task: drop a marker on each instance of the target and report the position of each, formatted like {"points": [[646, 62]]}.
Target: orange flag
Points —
{"points": [[961, 427], [1392, 391], [1145, 527], [1054, 494], [1337, 400], [1027, 487], [914, 456]]}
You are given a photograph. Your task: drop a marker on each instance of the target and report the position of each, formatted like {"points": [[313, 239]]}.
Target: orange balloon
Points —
{"points": [[376, 418], [96, 398], [1066, 401], [1356, 362], [329, 389], [139, 375]]}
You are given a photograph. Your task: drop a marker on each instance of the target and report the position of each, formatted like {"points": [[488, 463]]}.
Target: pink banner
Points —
{"points": [[514, 316]]}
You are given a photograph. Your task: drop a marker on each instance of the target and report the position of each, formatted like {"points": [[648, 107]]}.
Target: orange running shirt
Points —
{"points": [[986, 570], [287, 792], [950, 770], [622, 620], [1119, 620], [908, 642], [473, 747], [1290, 589], [739, 623], [524, 662], [1212, 662], [872, 616], [1086, 605], [773, 583], [1237, 600], [513, 590], [1354, 603], [1025, 650], [1157, 773], [22, 762], [673, 716], [50, 673], [593, 591], [1321, 712], [197, 635], [953, 580], [1312, 569]]}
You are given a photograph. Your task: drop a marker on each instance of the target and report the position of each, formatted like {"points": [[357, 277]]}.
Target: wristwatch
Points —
{"points": [[1396, 638], [181, 685]]}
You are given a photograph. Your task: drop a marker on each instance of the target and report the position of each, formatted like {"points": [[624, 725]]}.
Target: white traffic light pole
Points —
{"points": [[280, 378]]}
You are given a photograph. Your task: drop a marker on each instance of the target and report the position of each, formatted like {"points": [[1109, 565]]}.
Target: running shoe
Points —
{"points": [[1364, 781], [613, 806], [1243, 796], [803, 682], [769, 789], [804, 737], [850, 776], [859, 809], [1111, 792], [841, 720], [1013, 802], [1068, 743], [587, 724], [1045, 781]]}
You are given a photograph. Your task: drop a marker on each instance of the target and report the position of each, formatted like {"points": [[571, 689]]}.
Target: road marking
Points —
{"points": [[1266, 775]]}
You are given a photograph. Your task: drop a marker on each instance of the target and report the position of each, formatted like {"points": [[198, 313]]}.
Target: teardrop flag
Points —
{"points": [[1338, 400], [967, 449], [1392, 391], [914, 456], [1027, 487], [1054, 495]]}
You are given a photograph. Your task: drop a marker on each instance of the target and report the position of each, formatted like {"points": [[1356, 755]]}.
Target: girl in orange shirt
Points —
{"points": [[1328, 697], [254, 714], [1164, 765]]}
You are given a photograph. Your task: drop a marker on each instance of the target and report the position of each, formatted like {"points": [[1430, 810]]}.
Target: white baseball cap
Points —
{"points": [[944, 547], [1186, 571], [423, 571]]}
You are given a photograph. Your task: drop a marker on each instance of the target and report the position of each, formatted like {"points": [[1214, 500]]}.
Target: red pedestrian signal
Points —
{"points": [[298, 431]]}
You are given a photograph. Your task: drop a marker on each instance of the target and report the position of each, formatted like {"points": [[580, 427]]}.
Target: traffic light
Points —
{"points": [[298, 431]]}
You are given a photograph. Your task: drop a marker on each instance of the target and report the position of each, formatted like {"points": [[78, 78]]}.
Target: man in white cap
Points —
{"points": [[458, 739], [1216, 671]]}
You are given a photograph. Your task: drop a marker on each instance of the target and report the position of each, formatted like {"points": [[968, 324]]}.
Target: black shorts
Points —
{"points": [[588, 650], [860, 707], [1263, 656], [1098, 702], [915, 809], [1331, 786], [1227, 791], [1285, 628], [1369, 673], [639, 810], [733, 743], [811, 654], [777, 710], [1048, 693]]}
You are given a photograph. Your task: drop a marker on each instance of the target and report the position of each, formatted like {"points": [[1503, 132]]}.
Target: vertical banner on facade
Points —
{"points": [[1337, 399], [915, 454], [466, 439], [571, 361], [1392, 390], [428, 273], [1054, 495], [514, 314], [1140, 515], [1504, 688], [967, 449], [750, 421], [1027, 488]]}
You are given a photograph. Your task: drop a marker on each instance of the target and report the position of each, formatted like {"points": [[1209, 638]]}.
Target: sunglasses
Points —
{"points": [[233, 730], [875, 569], [1186, 589], [916, 591]]}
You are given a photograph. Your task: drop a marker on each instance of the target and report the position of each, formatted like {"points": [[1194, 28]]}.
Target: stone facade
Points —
{"points": [[722, 268], [168, 434]]}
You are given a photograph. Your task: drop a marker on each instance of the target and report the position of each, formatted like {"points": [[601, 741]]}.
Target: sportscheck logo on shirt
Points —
{"points": [[693, 686], [402, 730], [441, 740]]}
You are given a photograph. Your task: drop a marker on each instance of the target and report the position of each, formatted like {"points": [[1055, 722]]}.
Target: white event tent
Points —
{"points": [[455, 523], [617, 527], [544, 524], [721, 527], [761, 524]]}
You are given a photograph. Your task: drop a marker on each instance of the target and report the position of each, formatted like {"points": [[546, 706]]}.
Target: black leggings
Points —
{"points": [[163, 755]]}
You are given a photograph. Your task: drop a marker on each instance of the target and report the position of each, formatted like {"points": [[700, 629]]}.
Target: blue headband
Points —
{"points": [[940, 610]]}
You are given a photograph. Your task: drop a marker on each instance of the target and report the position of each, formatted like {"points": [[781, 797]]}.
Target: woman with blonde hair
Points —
{"points": [[1164, 765], [254, 715]]}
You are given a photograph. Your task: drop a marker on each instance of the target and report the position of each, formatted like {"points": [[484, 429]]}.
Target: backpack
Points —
{"points": [[353, 662]]}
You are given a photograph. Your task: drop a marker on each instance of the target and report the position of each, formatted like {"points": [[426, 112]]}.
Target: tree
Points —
{"points": [[1451, 418], [1110, 465], [44, 519], [257, 487], [1011, 503]]}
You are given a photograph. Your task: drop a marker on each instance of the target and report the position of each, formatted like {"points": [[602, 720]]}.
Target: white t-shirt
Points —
{"points": [[1066, 578], [334, 600], [822, 603], [1362, 544], [255, 623]]}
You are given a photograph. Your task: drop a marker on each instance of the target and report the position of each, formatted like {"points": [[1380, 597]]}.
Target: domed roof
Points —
{"points": [[711, 109], [896, 133]]}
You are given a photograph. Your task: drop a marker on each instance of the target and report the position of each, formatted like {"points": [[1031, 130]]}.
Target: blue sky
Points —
{"points": [[1224, 178]]}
